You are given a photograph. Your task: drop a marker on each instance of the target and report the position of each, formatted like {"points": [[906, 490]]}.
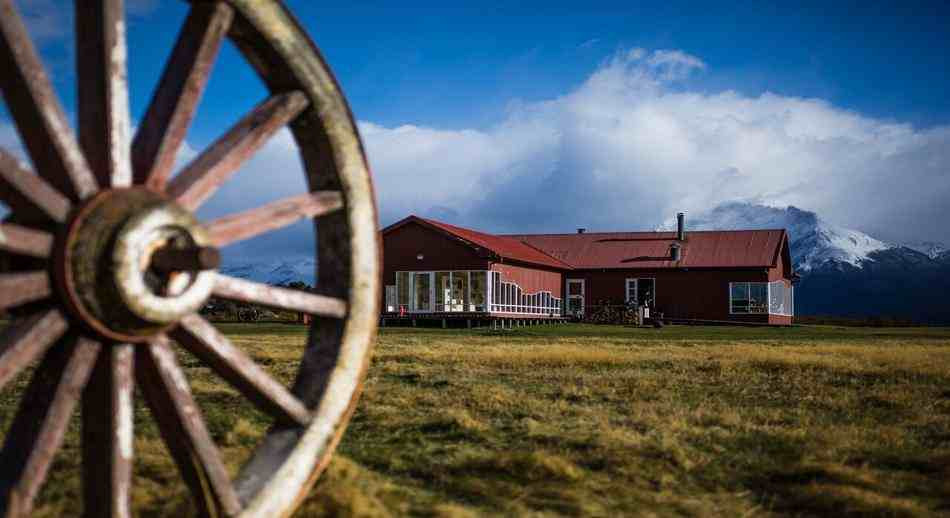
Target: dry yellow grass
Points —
{"points": [[602, 421]]}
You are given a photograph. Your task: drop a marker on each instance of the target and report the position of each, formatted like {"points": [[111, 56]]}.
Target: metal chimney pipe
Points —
{"points": [[680, 226], [675, 252]]}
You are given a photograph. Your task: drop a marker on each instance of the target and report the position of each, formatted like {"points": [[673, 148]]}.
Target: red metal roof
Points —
{"points": [[503, 246], [702, 249], [594, 250]]}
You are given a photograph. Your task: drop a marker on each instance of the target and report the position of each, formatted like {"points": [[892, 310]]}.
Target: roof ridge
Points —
{"points": [[642, 232]]}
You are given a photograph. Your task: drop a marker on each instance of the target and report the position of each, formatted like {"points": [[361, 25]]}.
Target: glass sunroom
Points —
{"points": [[762, 298], [465, 291]]}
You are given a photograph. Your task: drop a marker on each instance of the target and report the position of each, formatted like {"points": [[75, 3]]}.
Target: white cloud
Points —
{"points": [[628, 147]]}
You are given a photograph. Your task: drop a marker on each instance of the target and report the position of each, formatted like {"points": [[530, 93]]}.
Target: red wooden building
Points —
{"points": [[436, 270]]}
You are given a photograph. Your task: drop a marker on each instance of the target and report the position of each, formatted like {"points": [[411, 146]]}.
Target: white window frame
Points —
{"points": [[568, 296], [636, 288]]}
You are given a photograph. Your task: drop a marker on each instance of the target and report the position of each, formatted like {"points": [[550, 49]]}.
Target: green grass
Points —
{"points": [[601, 421]]}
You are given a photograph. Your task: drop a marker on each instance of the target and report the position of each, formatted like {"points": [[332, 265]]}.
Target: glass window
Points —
{"points": [[478, 290], [459, 295], [645, 291], [403, 289], [442, 290], [421, 292], [780, 298], [498, 288], [758, 297], [574, 288], [740, 297], [749, 297], [574, 305]]}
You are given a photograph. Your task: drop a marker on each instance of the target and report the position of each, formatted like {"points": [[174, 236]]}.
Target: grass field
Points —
{"points": [[601, 421]]}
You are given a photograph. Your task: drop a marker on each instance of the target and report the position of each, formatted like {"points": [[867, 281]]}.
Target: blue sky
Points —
{"points": [[597, 105]]}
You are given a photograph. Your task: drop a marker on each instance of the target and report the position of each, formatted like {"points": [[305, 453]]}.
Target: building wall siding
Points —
{"points": [[693, 294], [781, 268], [531, 280]]}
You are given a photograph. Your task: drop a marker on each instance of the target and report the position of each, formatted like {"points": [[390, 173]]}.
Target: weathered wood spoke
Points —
{"points": [[69, 187], [201, 338], [38, 429], [282, 298], [279, 214], [169, 397], [20, 288], [25, 340], [25, 241], [173, 105], [37, 112], [24, 191], [108, 433], [203, 176], [103, 102]]}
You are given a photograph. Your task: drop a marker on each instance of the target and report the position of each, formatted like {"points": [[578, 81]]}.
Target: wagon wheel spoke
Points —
{"points": [[25, 340], [24, 191], [183, 429], [103, 100], [173, 104], [107, 434], [203, 176], [25, 241], [19, 288], [39, 427], [233, 288], [204, 341], [279, 214], [37, 112]]}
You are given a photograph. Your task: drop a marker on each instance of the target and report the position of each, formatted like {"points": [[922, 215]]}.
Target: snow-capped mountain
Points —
{"points": [[814, 241], [275, 271]]}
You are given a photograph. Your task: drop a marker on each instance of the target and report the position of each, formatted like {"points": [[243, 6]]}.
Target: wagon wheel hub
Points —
{"points": [[106, 267], [133, 263]]}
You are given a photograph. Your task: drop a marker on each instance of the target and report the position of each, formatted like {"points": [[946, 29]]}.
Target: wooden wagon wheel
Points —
{"points": [[110, 265]]}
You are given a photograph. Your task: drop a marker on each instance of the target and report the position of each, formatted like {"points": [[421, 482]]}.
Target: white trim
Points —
{"points": [[582, 296], [508, 293], [636, 288]]}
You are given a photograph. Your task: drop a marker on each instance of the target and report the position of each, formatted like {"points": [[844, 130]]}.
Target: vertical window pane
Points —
{"points": [[421, 292], [740, 297], [403, 287], [645, 291], [442, 291], [478, 290], [758, 297], [574, 288]]}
